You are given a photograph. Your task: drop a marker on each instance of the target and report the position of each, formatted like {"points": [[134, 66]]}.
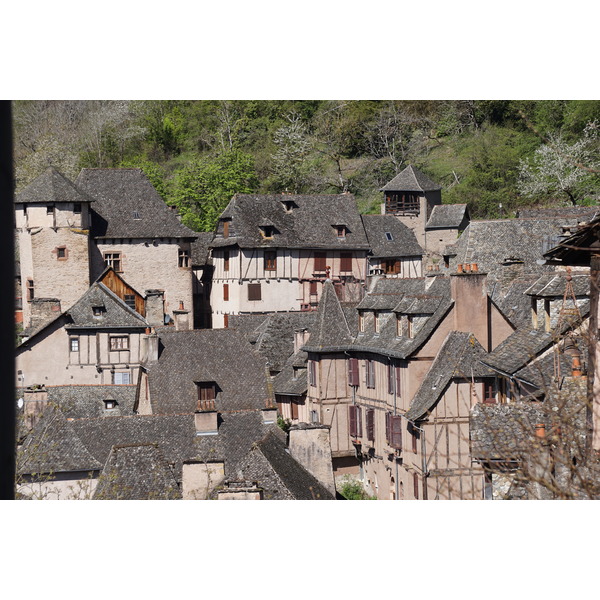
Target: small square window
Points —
{"points": [[266, 231], [74, 344], [50, 210], [61, 253], [136, 216], [77, 208], [121, 378], [254, 292], [184, 258], [113, 259], [119, 342], [109, 404], [388, 236], [98, 311]]}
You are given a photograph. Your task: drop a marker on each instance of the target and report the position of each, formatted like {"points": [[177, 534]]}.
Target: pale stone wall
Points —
{"points": [[199, 479], [436, 240], [150, 264], [61, 486], [50, 360]]}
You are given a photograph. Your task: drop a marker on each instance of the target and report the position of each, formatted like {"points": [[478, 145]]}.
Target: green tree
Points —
{"points": [[204, 187]]}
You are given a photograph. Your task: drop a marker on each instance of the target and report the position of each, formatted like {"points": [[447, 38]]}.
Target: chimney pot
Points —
{"points": [[474, 268], [467, 267], [540, 430], [459, 268], [576, 368]]}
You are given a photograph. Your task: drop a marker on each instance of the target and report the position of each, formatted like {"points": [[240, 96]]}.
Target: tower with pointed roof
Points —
{"points": [[411, 196], [53, 220]]}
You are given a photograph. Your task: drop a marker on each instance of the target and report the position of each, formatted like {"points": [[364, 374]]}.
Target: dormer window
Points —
{"points": [[207, 393], [98, 311], [398, 325], [50, 209], [266, 231], [361, 322], [226, 229], [136, 216], [341, 231], [109, 404], [113, 259], [289, 205], [377, 321]]}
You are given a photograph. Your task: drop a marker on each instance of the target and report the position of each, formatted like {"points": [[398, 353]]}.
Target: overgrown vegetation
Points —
{"points": [[352, 489], [199, 153]]}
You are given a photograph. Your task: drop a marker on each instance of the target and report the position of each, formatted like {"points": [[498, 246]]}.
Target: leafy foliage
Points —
{"points": [[352, 489]]}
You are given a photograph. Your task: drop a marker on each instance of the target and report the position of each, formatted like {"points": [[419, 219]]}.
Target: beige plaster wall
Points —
{"points": [[199, 479]]}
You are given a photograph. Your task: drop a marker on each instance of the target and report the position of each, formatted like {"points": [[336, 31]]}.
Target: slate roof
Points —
{"points": [[581, 213], [504, 431], [223, 356], [403, 242], [523, 345], [458, 357], [495, 243], [87, 401], [52, 187], [238, 431], [55, 446], [447, 216], [273, 338], [411, 180], [116, 312], [574, 250], [136, 472], [512, 300], [292, 380], [200, 249], [273, 468], [553, 285], [330, 327], [310, 225], [128, 206], [418, 296]]}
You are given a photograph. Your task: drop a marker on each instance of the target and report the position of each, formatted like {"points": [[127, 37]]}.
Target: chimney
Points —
{"points": [[310, 446], [206, 422], [155, 307], [149, 347], [300, 338], [35, 401], [269, 415], [240, 490], [44, 310], [471, 305], [181, 317]]}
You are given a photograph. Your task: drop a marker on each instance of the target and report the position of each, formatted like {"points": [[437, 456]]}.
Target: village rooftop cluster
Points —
{"points": [[302, 347]]}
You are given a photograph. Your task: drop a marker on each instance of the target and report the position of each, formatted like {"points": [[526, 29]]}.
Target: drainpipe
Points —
{"points": [[396, 483]]}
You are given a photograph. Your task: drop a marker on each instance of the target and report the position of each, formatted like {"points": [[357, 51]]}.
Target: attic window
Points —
{"points": [[266, 231], [207, 392], [388, 236], [289, 205], [119, 342], [109, 404], [113, 259], [61, 253], [341, 231], [121, 378], [77, 208], [136, 216], [50, 210], [226, 229], [98, 311], [130, 300], [184, 258]]}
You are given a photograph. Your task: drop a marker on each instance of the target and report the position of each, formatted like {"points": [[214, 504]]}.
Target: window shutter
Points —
{"points": [[312, 373], [352, 420], [358, 421], [254, 291], [388, 433], [353, 371], [346, 262], [320, 261], [416, 485], [397, 267], [225, 292], [396, 432], [370, 374], [398, 380], [391, 378], [371, 425], [225, 260]]}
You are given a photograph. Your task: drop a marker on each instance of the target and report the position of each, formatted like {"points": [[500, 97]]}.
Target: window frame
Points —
{"points": [[114, 259], [346, 260], [183, 258], [270, 260], [370, 373], [121, 375], [74, 343], [114, 346]]}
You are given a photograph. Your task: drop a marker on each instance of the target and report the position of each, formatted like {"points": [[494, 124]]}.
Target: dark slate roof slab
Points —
{"points": [[411, 180], [51, 187]]}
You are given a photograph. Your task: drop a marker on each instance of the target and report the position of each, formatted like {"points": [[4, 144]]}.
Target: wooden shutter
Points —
{"points": [[371, 424], [254, 291], [395, 424], [294, 406], [353, 371], [225, 292], [225, 320], [416, 485], [398, 370], [225, 260], [346, 262], [391, 378], [270, 260], [320, 261], [358, 421], [370, 374], [352, 420], [313, 288], [225, 229], [312, 373]]}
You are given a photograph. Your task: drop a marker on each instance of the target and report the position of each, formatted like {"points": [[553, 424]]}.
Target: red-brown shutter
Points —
{"points": [[416, 485], [225, 260], [391, 378], [225, 292], [352, 420], [398, 380], [225, 229], [294, 406], [371, 424], [346, 262], [320, 261], [312, 373], [370, 374], [225, 321], [353, 371], [396, 432]]}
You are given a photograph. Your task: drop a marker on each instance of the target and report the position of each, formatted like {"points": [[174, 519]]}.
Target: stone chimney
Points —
{"points": [[149, 346], [43, 310], [207, 421], [155, 307], [471, 303], [269, 415], [310, 446], [240, 490], [182, 319], [300, 338], [199, 479], [35, 401]]}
